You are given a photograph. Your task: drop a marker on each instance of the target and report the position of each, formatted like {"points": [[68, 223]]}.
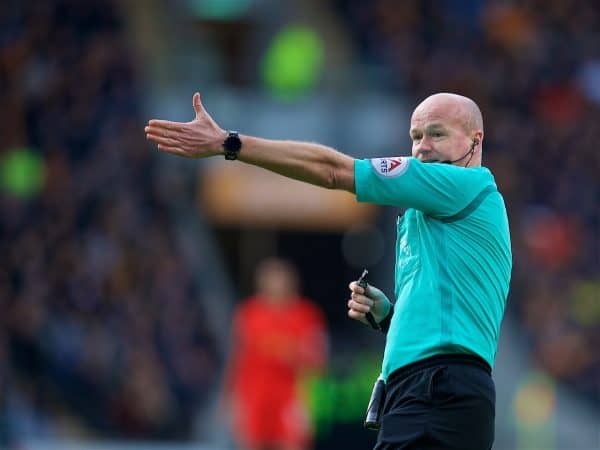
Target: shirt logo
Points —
{"points": [[390, 167]]}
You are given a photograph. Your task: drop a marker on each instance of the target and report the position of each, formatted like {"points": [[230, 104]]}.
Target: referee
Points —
{"points": [[453, 261]]}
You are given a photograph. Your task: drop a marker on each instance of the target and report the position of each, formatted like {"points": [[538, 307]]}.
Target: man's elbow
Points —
{"points": [[341, 179]]}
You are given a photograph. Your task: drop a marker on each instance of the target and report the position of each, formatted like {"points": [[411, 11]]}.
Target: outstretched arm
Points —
{"points": [[202, 137]]}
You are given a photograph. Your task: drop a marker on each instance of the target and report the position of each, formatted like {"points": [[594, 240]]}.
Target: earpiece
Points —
{"points": [[471, 152]]}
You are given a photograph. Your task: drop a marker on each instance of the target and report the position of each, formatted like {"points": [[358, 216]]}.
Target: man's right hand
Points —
{"points": [[200, 138], [367, 300]]}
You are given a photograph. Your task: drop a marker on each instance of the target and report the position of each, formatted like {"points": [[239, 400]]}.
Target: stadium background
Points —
{"points": [[120, 267]]}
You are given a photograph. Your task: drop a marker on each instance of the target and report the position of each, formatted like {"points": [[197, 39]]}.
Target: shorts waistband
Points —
{"points": [[453, 358]]}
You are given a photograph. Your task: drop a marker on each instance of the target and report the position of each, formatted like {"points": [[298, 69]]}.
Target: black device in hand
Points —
{"points": [[375, 408], [373, 419], [362, 282]]}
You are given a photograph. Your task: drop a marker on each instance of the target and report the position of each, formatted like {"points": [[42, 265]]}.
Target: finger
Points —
{"points": [[164, 133], [198, 108], [166, 125], [358, 306], [163, 140], [357, 315], [158, 130], [362, 299], [354, 287], [173, 150], [159, 139]]}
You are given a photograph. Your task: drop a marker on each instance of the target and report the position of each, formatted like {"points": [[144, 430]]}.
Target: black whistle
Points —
{"points": [[362, 282]]}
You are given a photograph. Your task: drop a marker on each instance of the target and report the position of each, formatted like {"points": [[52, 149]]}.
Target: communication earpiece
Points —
{"points": [[471, 152]]}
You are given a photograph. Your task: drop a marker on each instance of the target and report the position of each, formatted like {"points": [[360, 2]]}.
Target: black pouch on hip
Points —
{"points": [[375, 408]]}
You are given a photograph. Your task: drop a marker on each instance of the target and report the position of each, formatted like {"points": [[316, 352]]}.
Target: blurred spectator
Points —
{"points": [[279, 337]]}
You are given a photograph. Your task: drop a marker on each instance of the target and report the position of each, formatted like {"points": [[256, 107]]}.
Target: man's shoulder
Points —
{"points": [[249, 304], [308, 308]]}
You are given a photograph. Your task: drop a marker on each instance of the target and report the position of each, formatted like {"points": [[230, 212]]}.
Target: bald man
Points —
{"points": [[453, 261]]}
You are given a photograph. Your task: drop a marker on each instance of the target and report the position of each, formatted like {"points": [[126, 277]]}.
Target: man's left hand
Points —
{"points": [[200, 138]]}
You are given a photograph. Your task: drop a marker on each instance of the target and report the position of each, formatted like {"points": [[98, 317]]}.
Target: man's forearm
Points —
{"points": [[312, 163], [203, 137]]}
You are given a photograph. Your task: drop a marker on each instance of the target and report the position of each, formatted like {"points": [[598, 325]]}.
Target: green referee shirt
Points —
{"points": [[453, 257]]}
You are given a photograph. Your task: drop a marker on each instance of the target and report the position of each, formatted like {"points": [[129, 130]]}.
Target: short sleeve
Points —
{"points": [[437, 189]]}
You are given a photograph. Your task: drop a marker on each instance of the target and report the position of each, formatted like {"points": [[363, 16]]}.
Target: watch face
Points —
{"points": [[233, 143]]}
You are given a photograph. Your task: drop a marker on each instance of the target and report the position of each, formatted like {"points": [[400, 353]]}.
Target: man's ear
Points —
{"points": [[477, 138]]}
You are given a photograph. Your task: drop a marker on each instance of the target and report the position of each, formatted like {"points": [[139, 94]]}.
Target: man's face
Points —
{"points": [[277, 282], [438, 132]]}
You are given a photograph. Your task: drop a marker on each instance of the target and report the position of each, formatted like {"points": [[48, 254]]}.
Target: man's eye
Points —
{"points": [[437, 134]]}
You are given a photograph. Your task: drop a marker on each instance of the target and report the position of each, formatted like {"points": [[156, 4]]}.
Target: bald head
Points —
{"points": [[447, 127], [461, 108]]}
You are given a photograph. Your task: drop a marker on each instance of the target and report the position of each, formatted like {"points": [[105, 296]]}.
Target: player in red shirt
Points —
{"points": [[278, 337]]}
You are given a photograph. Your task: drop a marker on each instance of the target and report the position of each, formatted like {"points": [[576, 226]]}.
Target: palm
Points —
{"points": [[200, 138]]}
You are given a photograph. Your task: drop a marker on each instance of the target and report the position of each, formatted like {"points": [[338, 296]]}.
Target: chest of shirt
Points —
{"points": [[409, 234]]}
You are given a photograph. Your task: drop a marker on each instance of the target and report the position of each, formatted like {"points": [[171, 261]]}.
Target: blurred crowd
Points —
{"points": [[534, 68], [100, 328]]}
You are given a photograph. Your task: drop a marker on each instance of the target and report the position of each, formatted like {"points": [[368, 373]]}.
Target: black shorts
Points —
{"points": [[442, 402]]}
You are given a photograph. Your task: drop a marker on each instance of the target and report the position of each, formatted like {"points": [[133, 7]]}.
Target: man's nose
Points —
{"points": [[424, 145], [423, 150]]}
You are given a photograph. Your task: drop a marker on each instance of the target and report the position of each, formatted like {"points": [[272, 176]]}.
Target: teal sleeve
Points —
{"points": [[437, 189]]}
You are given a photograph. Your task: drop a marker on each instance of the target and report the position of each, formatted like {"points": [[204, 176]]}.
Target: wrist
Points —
{"points": [[217, 145], [386, 307]]}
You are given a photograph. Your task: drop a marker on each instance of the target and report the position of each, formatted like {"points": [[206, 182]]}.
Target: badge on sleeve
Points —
{"points": [[390, 167]]}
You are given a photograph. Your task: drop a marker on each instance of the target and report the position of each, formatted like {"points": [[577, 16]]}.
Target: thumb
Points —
{"points": [[198, 108]]}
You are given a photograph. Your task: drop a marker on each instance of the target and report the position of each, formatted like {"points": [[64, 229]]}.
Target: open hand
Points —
{"points": [[200, 138]]}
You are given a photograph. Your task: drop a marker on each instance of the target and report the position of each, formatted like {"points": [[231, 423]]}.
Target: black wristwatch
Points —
{"points": [[232, 145]]}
